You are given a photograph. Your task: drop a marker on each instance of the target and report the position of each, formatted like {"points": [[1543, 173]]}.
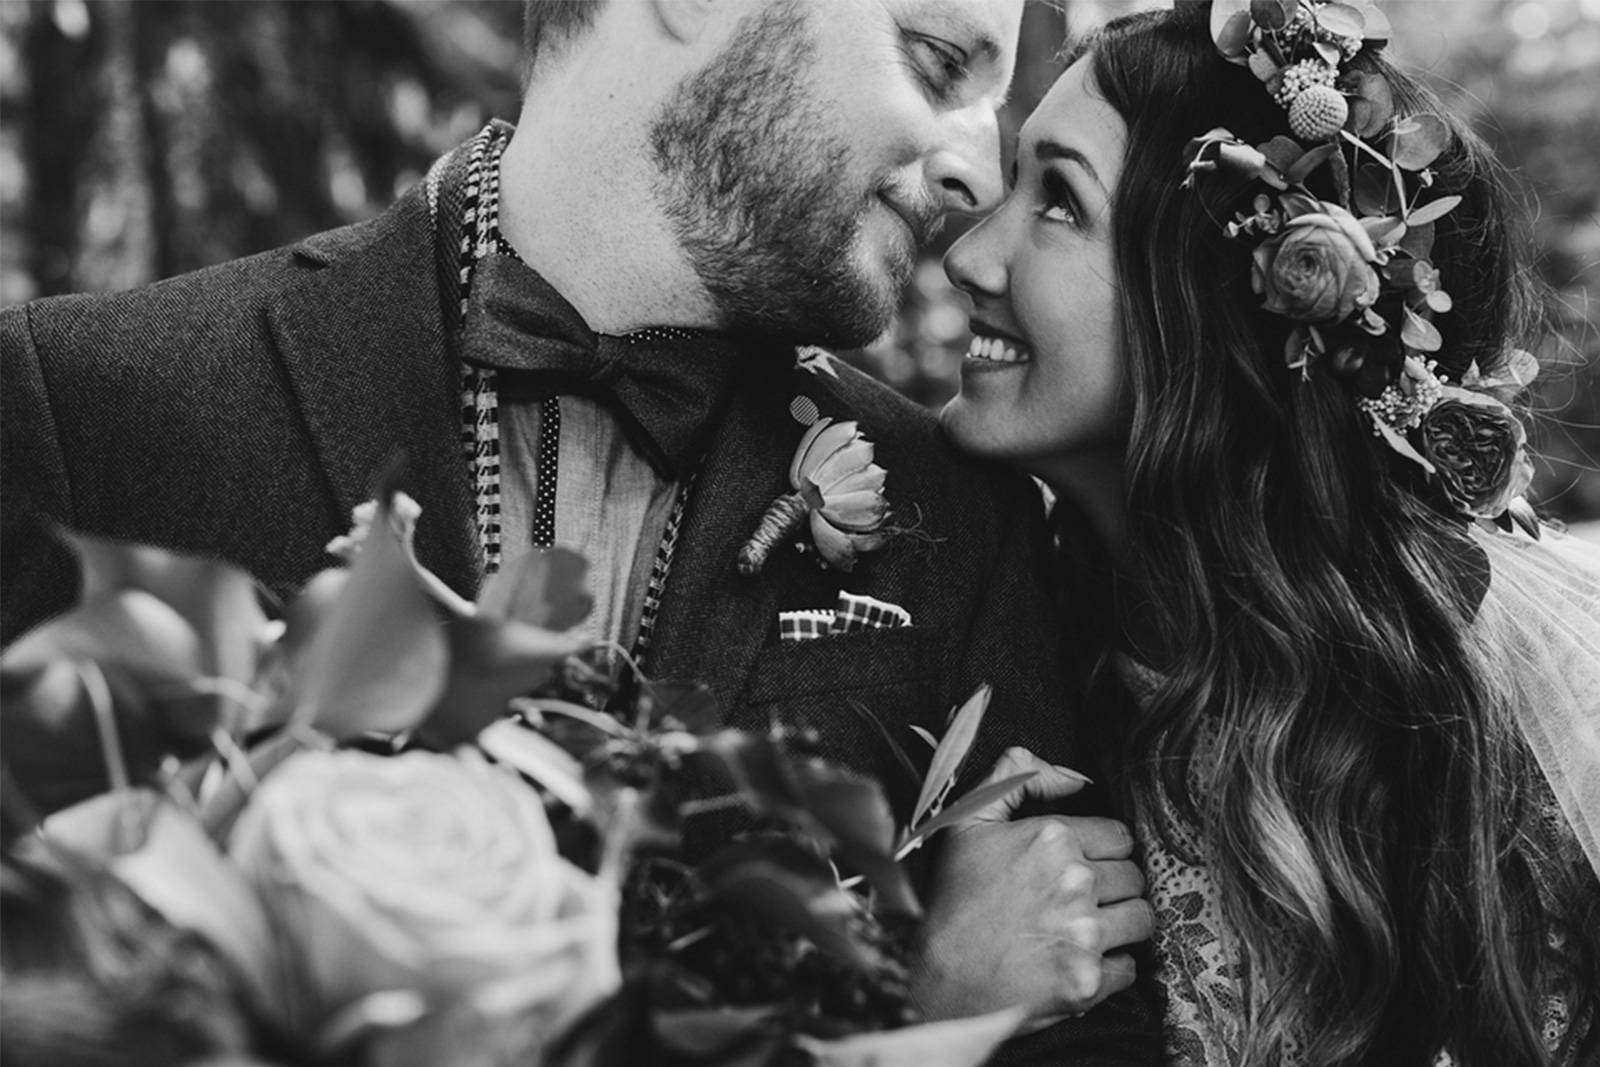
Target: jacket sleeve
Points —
{"points": [[1015, 643], [38, 574]]}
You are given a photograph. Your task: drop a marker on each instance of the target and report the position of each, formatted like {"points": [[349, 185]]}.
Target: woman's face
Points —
{"points": [[1040, 384]]}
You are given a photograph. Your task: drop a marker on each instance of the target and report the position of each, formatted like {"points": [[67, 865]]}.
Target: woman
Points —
{"points": [[1363, 753]]}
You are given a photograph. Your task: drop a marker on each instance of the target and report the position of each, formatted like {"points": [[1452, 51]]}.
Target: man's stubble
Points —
{"points": [[760, 194]]}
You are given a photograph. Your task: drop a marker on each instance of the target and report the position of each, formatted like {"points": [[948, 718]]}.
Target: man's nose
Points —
{"points": [[964, 171]]}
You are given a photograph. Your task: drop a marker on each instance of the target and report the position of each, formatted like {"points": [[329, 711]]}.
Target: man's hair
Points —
{"points": [[548, 24]]}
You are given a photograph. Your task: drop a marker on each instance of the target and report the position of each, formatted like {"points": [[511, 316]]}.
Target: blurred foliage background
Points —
{"points": [[142, 139]]}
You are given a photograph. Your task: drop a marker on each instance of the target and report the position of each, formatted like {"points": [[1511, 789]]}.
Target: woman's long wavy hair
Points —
{"points": [[1328, 722]]}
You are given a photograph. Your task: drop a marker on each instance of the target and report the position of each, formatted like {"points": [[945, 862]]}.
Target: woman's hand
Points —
{"points": [[1030, 911]]}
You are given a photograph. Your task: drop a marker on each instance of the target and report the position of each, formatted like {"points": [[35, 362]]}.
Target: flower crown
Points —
{"points": [[1354, 275]]}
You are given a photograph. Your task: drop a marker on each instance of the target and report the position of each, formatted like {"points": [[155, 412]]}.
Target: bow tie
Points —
{"points": [[666, 385]]}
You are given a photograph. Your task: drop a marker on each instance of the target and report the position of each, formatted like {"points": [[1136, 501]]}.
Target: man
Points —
{"points": [[584, 332]]}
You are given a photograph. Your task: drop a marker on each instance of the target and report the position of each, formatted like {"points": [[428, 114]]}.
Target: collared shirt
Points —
{"points": [[611, 506]]}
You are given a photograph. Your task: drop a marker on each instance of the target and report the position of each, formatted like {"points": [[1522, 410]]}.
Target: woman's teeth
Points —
{"points": [[997, 350]]}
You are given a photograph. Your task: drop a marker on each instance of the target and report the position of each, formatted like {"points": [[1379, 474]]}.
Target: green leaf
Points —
{"points": [[1432, 210], [690, 704], [545, 587], [952, 751], [378, 662], [926, 735], [953, 1043], [1302, 167], [901, 758], [492, 661], [180, 872], [1374, 191], [775, 879], [217, 599], [130, 631], [854, 811], [711, 1032], [979, 798], [537, 757]]}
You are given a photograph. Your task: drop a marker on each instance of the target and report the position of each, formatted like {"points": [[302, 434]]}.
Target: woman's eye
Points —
{"points": [[1059, 205]]}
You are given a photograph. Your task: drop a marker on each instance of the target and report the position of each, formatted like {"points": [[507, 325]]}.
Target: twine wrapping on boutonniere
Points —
{"points": [[837, 489]]}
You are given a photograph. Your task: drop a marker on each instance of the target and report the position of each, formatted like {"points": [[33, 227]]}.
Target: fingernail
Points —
{"points": [[1079, 775]]}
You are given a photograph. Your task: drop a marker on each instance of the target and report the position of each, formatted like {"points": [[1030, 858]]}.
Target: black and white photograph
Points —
{"points": [[800, 533]]}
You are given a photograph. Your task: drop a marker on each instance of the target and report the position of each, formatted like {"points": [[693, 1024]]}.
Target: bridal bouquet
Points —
{"points": [[397, 828]]}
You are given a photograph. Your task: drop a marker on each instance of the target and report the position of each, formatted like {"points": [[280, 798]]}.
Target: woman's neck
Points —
{"points": [[1094, 482]]}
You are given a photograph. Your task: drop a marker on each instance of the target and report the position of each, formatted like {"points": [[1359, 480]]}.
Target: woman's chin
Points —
{"points": [[974, 427]]}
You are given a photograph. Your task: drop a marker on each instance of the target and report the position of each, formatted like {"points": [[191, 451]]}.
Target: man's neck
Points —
{"points": [[579, 210]]}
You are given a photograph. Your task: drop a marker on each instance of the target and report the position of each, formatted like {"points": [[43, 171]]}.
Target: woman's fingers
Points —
{"points": [[1049, 782]]}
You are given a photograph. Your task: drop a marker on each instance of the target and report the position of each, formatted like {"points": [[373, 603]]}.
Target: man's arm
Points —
{"points": [[37, 572]]}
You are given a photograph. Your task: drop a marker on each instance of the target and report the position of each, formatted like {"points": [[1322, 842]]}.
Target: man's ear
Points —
{"points": [[686, 20]]}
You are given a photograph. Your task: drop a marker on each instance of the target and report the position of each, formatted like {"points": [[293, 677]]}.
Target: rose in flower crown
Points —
{"points": [[1353, 272], [1478, 449], [1319, 269]]}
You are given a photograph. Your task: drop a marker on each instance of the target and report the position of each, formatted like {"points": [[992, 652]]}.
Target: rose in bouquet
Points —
{"points": [[509, 881]]}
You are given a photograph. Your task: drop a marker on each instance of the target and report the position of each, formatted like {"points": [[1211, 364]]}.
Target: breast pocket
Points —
{"points": [[831, 687]]}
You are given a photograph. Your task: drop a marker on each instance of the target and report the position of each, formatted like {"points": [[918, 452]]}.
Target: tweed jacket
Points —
{"points": [[243, 410]]}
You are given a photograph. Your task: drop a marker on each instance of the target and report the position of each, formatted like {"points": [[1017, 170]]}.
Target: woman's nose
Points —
{"points": [[974, 264]]}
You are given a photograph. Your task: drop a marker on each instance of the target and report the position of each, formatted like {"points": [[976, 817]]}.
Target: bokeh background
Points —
{"points": [[142, 138]]}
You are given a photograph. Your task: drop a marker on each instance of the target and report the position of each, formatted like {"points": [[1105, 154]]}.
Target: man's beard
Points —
{"points": [[758, 193]]}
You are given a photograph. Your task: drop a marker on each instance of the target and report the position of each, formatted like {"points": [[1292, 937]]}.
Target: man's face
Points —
{"points": [[805, 163]]}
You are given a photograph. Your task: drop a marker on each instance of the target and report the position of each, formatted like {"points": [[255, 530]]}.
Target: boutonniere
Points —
{"points": [[837, 490]]}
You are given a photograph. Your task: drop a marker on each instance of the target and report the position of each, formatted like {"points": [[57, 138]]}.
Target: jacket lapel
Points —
{"points": [[713, 620], [363, 345]]}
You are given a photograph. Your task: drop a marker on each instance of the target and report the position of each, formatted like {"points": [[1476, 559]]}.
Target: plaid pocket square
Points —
{"points": [[853, 612]]}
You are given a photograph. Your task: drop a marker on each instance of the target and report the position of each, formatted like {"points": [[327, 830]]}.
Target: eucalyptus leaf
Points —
{"points": [[1273, 14], [1385, 231], [1419, 333], [952, 752], [926, 735], [1230, 28], [1341, 20], [1434, 209], [1396, 441], [1419, 140]]}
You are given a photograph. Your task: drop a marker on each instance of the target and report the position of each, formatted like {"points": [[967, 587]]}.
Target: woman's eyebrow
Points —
{"points": [[1048, 151]]}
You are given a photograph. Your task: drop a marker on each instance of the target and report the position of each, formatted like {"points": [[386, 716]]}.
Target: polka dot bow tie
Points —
{"points": [[665, 384]]}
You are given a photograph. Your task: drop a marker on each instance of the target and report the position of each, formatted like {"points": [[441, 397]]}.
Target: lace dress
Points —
{"points": [[1543, 612]]}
